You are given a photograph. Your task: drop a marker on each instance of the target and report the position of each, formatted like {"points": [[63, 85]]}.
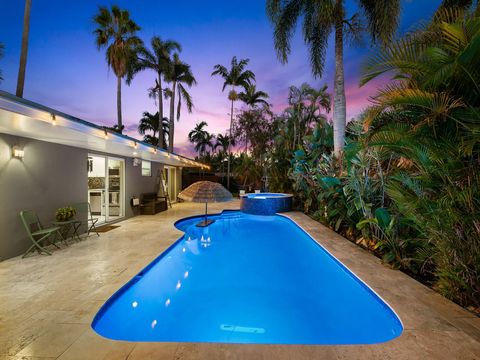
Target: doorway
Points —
{"points": [[169, 174], [106, 184]]}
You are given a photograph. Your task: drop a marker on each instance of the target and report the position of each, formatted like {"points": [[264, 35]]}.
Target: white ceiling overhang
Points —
{"points": [[21, 117]]}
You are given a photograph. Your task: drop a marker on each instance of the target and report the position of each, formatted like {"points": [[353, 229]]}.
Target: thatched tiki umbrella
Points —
{"points": [[205, 191]]}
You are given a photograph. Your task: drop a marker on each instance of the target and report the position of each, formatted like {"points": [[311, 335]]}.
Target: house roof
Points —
{"points": [[28, 119]]}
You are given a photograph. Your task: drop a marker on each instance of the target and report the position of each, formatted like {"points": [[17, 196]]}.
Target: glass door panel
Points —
{"points": [[106, 186], [115, 189], [96, 186]]}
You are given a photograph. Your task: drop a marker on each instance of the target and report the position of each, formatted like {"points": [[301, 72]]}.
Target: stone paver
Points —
{"points": [[47, 302]]}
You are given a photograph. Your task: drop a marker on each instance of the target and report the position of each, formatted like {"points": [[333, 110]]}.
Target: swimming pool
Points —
{"points": [[247, 279]]}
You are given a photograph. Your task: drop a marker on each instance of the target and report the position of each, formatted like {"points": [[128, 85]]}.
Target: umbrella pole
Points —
{"points": [[205, 221]]}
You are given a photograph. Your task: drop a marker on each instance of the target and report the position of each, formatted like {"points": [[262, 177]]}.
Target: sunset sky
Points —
{"points": [[65, 70]]}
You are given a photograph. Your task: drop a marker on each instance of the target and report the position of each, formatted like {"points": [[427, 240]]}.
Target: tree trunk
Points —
{"points": [[160, 112], [229, 144], [171, 121], [339, 109], [24, 51], [294, 134], [119, 104]]}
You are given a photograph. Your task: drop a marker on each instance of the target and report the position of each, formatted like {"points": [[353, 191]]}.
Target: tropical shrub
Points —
{"points": [[428, 118]]}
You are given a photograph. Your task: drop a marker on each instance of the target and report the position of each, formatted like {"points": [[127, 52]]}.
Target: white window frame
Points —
{"points": [[145, 168]]}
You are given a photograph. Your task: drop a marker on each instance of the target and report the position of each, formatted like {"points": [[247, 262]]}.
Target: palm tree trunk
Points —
{"points": [[160, 112], [119, 104], [171, 131], [229, 144], [24, 51], [294, 133], [339, 109]]}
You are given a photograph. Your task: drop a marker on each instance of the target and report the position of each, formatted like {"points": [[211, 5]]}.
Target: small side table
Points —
{"points": [[66, 226]]}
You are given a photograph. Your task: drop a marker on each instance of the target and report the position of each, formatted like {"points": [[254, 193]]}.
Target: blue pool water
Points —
{"points": [[265, 195], [247, 279]]}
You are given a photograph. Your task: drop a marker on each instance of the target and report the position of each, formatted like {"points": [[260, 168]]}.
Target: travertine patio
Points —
{"points": [[47, 302]]}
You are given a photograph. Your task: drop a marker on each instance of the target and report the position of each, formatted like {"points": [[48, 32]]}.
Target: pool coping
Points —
{"points": [[48, 303]]}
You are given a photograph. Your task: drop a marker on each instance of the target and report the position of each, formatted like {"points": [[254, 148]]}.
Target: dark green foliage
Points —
{"points": [[429, 121], [408, 187]]}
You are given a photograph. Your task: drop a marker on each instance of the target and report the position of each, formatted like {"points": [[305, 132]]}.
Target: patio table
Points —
{"points": [[66, 226]]}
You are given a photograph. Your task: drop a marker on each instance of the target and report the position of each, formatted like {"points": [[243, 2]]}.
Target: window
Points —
{"points": [[146, 168]]}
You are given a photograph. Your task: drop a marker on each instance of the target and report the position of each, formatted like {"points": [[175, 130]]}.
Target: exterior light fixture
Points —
{"points": [[18, 152], [154, 150], [54, 119], [135, 145], [105, 135]]}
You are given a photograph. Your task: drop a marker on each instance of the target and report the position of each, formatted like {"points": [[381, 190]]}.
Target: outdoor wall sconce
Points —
{"points": [[105, 135], [135, 145], [154, 150], [18, 152], [54, 119]]}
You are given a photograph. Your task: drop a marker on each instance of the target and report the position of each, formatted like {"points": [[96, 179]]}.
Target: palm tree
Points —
{"points": [[179, 74], [201, 138], [150, 122], [158, 59], [427, 119], [319, 99], [116, 32], [24, 51], [295, 114], [222, 142], [320, 18], [236, 76], [247, 169], [252, 97]]}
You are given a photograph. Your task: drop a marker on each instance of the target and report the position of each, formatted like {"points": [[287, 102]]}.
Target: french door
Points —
{"points": [[106, 187]]}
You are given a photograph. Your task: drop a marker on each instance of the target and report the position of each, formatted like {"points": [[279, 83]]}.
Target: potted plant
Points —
{"points": [[65, 213]]}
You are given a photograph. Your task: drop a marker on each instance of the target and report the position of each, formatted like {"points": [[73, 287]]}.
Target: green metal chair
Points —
{"points": [[84, 216], [36, 233]]}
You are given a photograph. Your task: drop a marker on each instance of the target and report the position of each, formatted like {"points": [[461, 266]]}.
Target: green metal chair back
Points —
{"points": [[36, 232], [84, 215], [30, 221]]}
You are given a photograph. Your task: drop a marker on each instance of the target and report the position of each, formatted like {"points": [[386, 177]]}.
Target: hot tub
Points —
{"points": [[265, 203]]}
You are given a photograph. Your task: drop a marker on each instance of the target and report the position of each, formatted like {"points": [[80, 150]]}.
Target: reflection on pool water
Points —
{"points": [[247, 279]]}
